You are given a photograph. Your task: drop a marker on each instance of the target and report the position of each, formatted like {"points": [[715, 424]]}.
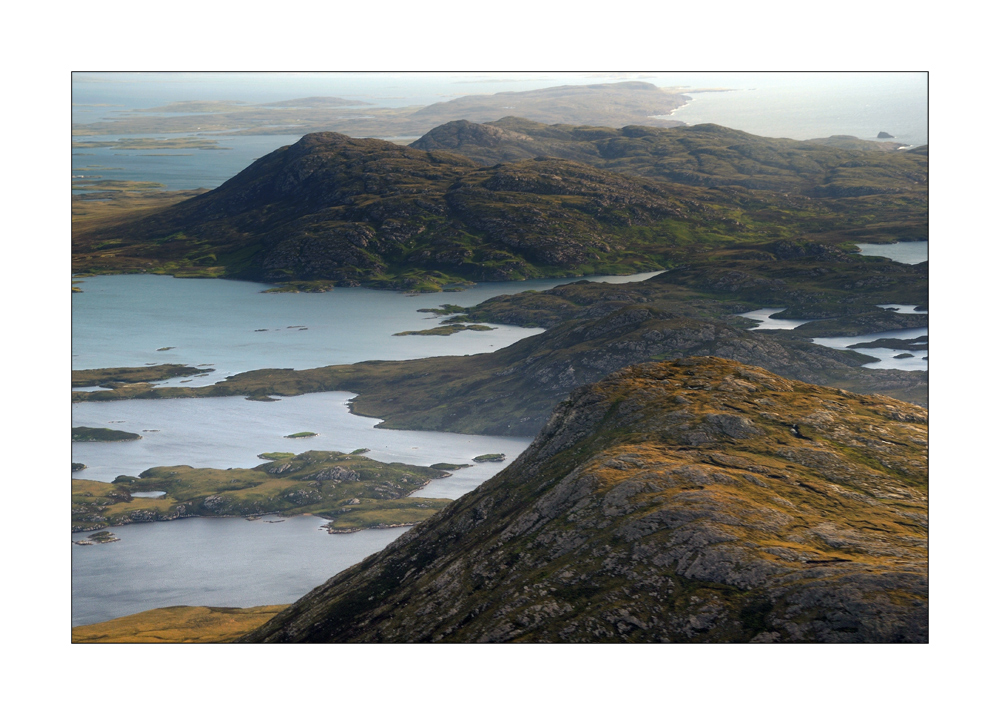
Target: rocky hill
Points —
{"points": [[700, 155], [354, 211], [694, 501], [332, 210]]}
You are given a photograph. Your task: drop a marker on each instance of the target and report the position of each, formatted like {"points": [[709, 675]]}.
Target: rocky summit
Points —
{"points": [[699, 500]]}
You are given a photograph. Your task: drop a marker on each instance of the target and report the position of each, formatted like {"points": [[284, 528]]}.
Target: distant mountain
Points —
{"points": [[695, 501], [700, 155], [613, 104]]}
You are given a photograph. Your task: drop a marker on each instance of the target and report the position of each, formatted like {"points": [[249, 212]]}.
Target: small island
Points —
{"points": [[352, 491], [449, 467], [918, 343], [490, 458], [78, 466], [271, 456], [112, 377], [101, 537], [446, 329], [884, 135], [445, 309], [300, 435], [103, 434]]}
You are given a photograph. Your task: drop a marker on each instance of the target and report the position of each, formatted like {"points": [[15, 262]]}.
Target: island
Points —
{"points": [[490, 458], [103, 434], [352, 491], [112, 377], [300, 435], [446, 329]]}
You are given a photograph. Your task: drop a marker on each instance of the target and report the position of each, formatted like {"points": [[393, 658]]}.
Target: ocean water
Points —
{"points": [[796, 105], [812, 105]]}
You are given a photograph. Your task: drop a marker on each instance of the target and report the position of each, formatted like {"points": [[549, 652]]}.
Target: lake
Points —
{"points": [[231, 431], [887, 356], [233, 327], [123, 320], [763, 316], [212, 562], [911, 252]]}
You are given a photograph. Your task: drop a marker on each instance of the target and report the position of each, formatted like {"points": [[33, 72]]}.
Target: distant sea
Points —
{"points": [[810, 105], [781, 104]]}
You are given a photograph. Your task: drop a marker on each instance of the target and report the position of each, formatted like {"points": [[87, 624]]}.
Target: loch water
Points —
{"points": [[123, 320]]}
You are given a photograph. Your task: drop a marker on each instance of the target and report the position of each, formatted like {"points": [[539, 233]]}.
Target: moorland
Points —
{"points": [[691, 479]]}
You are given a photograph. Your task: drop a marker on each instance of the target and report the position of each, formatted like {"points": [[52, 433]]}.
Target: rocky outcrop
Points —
{"points": [[699, 500], [694, 501]]}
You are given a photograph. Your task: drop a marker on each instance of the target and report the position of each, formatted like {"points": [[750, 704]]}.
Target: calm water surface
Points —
{"points": [[231, 431], [122, 320], [233, 327], [211, 562], [763, 316], [887, 357], [911, 252], [174, 168]]}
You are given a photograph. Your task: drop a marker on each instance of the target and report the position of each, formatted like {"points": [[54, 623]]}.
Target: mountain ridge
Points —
{"points": [[698, 500]]}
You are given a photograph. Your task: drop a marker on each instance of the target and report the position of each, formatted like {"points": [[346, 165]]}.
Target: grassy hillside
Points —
{"points": [[694, 501], [178, 624]]}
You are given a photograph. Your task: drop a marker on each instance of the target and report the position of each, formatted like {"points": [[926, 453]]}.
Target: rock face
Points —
{"points": [[696, 500]]}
